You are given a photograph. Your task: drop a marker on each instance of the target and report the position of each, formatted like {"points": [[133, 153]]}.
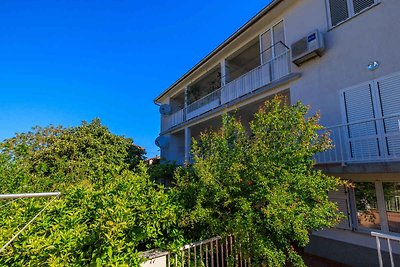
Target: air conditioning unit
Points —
{"points": [[165, 109], [308, 47]]}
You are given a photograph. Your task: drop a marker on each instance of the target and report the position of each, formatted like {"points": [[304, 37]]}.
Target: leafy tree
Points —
{"points": [[109, 210], [260, 184], [54, 155]]}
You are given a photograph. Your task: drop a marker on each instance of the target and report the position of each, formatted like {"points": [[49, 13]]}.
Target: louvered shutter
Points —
{"points": [[338, 10], [360, 5], [341, 198], [389, 95], [362, 137]]}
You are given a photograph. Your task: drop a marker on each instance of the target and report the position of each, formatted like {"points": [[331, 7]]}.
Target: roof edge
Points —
{"points": [[237, 33]]}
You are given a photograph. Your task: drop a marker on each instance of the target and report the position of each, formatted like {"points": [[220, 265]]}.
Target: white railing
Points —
{"points": [[175, 119], [262, 75], [373, 140], [204, 104], [389, 239], [214, 252]]}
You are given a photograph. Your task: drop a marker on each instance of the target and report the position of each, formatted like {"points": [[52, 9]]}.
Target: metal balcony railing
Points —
{"points": [[373, 140], [389, 239], [213, 252], [266, 73]]}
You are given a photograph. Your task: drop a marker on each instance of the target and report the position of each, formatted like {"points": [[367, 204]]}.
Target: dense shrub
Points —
{"points": [[260, 184], [107, 213]]}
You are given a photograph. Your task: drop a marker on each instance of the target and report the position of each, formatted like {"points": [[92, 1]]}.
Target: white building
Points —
{"points": [[341, 57]]}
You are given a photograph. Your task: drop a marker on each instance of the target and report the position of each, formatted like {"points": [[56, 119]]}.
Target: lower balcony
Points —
{"points": [[273, 70], [367, 141]]}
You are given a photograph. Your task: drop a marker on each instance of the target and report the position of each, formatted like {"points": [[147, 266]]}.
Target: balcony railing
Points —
{"points": [[212, 252], [390, 239], [273, 70], [373, 140]]}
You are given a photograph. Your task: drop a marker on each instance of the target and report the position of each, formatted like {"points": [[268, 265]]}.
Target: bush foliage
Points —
{"points": [[107, 213], [259, 184]]}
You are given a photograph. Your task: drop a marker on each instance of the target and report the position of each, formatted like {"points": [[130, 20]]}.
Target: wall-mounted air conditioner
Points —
{"points": [[165, 109], [308, 47]]}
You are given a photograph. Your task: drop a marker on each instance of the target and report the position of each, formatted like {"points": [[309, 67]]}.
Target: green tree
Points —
{"points": [[54, 155], [110, 209], [260, 184]]}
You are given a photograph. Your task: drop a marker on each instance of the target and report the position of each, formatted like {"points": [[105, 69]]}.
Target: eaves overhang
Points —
{"points": [[237, 33]]}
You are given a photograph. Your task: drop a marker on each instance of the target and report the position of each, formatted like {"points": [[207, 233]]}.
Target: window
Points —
{"points": [[367, 206], [341, 10], [272, 42], [378, 205]]}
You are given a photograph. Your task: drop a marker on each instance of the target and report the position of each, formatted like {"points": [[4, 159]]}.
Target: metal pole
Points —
{"points": [[30, 195]]}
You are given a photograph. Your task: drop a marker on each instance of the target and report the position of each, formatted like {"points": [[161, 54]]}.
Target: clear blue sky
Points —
{"points": [[65, 61]]}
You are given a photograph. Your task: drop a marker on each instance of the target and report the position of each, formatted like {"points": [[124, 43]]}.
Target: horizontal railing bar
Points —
{"points": [[381, 235], [30, 195], [202, 242], [363, 121]]}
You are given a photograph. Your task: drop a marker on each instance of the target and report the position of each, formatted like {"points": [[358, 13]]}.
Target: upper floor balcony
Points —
{"points": [[374, 140], [241, 75]]}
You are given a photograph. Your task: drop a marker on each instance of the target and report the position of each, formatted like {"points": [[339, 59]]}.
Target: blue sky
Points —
{"points": [[65, 61]]}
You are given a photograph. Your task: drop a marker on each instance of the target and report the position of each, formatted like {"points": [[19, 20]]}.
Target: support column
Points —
{"points": [[188, 141], [224, 72]]}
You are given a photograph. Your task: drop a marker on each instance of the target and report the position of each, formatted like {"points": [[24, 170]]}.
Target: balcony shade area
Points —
{"points": [[227, 91]]}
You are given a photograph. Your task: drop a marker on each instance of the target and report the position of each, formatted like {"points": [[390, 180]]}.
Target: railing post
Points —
{"points": [[378, 247]]}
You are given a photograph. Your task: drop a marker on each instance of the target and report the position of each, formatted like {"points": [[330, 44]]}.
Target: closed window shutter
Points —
{"points": [[340, 197], [360, 5], [339, 11], [389, 94], [363, 142]]}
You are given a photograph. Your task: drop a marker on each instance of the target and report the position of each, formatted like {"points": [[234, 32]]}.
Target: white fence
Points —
{"points": [[389, 239], [373, 140], [214, 252]]}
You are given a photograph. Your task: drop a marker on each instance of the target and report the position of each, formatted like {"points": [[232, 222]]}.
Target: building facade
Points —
{"points": [[341, 58]]}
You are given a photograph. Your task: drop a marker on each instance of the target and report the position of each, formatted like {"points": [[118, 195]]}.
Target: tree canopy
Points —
{"points": [[260, 184], [109, 210]]}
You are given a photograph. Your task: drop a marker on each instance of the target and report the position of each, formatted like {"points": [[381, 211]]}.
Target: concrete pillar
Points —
{"points": [[188, 141], [224, 72]]}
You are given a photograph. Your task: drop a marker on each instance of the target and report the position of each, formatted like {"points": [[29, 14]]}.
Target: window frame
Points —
{"points": [[350, 8], [380, 198], [271, 29]]}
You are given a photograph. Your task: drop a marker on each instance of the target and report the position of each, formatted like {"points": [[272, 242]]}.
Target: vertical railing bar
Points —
{"points": [[206, 255], [378, 246], [201, 254], [227, 250], [195, 256], [217, 254], [183, 258], [222, 253], [212, 254], [189, 256], [390, 252]]}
